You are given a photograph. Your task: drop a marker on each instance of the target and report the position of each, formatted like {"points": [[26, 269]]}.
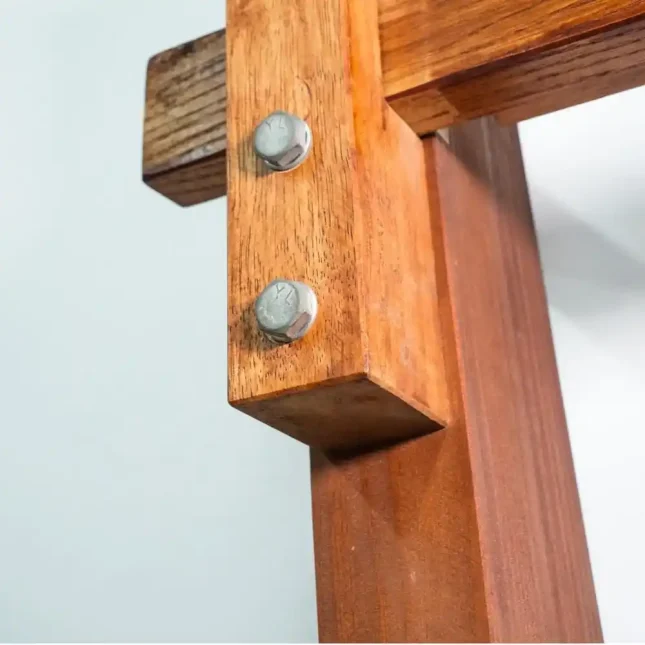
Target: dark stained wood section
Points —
{"points": [[537, 573], [184, 142], [473, 533], [193, 183]]}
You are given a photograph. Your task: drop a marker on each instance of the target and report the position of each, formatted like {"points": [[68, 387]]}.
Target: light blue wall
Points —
{"points": [[134, 503]]}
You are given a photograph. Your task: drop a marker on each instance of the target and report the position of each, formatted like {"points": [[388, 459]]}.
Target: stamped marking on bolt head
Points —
{"points": [[282, 141], [277, 306], [274, 136], [285, 310]]}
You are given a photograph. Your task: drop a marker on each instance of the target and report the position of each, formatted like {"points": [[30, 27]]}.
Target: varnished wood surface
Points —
{"points": [[424, 41], [193, 183], [536, 565], [184, 143], [352, 222], [473, 533], [395, 530], [341, 415], [532, 84], [444, 63]]}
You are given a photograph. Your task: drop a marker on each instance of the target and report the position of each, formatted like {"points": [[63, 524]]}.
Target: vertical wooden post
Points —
{"points": [[474, 533], [352, 222]]}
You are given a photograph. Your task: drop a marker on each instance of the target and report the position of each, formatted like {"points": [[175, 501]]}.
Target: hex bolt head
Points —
{"points": [[282, 141], [286, 310]]}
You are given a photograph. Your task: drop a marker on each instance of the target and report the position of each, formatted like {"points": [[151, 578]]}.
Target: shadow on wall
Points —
{"points": [[587, 274]]}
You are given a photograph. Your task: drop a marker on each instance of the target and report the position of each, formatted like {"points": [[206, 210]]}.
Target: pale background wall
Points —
{"points": [[586, 170], [134, 504]]}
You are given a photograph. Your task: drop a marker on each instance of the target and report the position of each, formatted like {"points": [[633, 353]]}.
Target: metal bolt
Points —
{"points": [[282, 141], [286, 310]]}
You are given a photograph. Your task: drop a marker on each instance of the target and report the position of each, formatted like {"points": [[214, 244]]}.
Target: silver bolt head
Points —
{"points": [[282, 141], [286, 310]]}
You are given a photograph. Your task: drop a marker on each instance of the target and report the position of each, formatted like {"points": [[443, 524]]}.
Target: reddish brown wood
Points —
{"points": [[433, 310], [426, 42], [474, 533]]}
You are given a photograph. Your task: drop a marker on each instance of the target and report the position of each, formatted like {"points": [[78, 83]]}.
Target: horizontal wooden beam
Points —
{"points": [[530, 85], [184, 142], [425, 42], [443, 63]]}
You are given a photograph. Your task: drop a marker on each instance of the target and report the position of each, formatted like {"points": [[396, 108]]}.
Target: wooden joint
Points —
{"points": [[442, 64], [431, 305], [352, 222]]}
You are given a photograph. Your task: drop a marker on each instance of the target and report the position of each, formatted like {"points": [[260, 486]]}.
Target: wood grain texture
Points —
{"points": [[184, 143], [537, 575], [352, 222], [424, 41], [395, 530], [531, 84], [444, 63], [473, 533], [342, 415]]}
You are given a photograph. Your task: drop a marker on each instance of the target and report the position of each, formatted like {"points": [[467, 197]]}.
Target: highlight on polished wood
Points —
{"points": [[474, 533]]}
